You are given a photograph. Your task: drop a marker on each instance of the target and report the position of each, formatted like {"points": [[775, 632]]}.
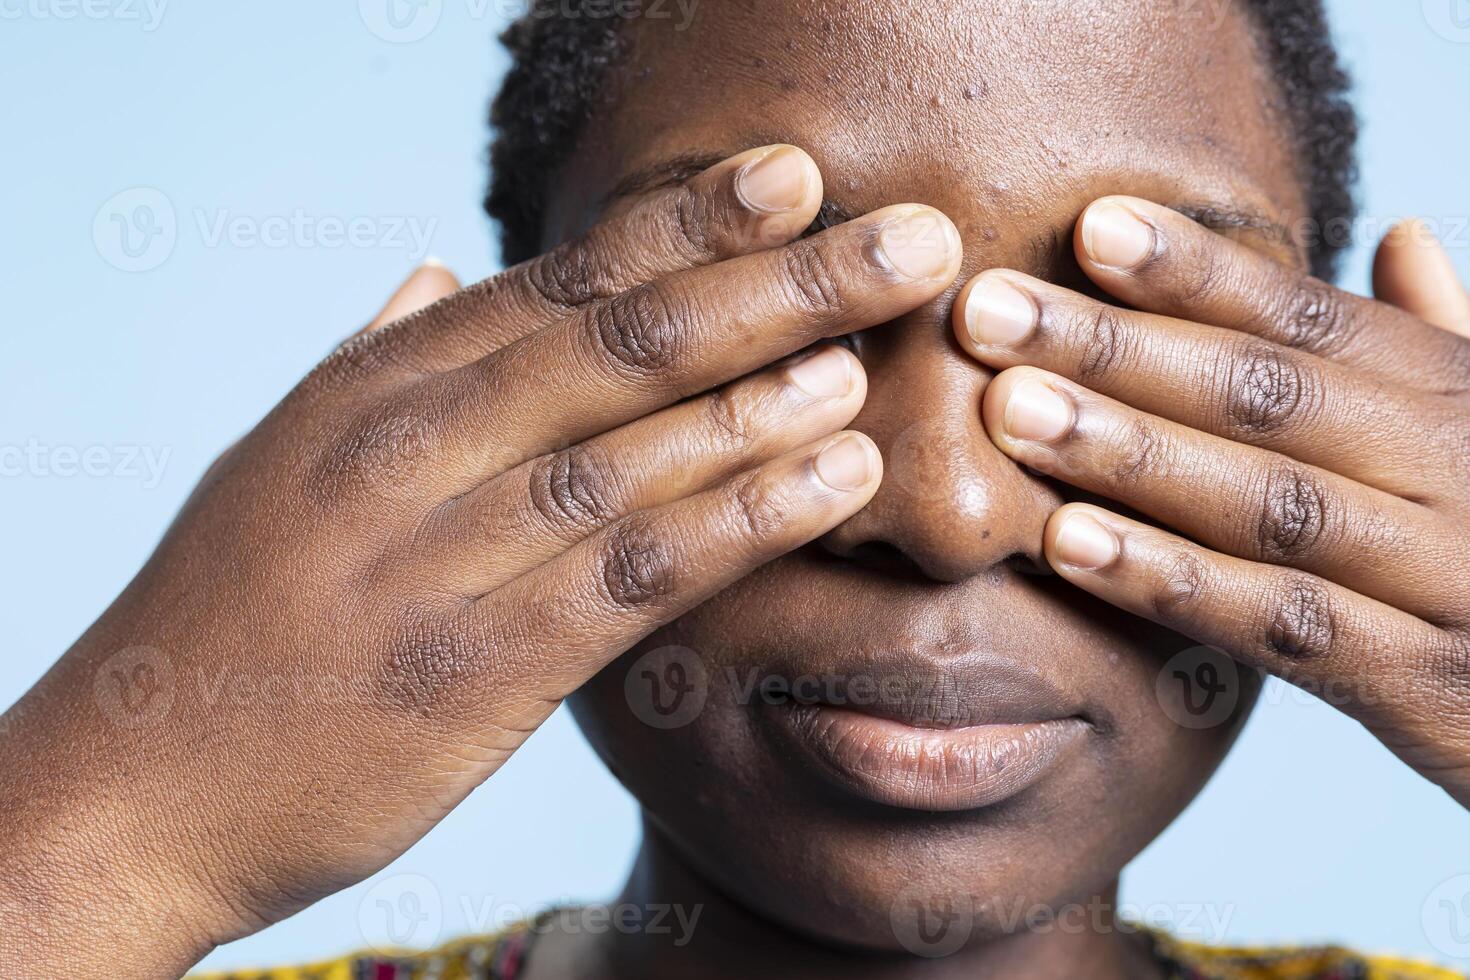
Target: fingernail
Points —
{"points": [[826, 374], [998, 314], [846, 464], [1036, 413], [919, 245], [1083, 542], [433, 262], [1114, 236], [776, 182]]}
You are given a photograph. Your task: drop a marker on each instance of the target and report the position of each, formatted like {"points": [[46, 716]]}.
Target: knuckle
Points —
{"points": [[693, 216], [1204, 276], [641, 331], [570, 490], [730, 421], [810, 278], [1179, 589], [1300, 624], [1293, 515], [382, 449], [1102, 344], [760, 512], [636, 566], [570, 275], [1266, 391], [1314, 319], [1143, 454], [427, 658]]}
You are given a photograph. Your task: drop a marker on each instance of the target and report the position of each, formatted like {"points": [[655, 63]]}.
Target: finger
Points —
{"points": [[573, 615], [757, 200], [1220, 381], [543, 507], [1248, 502], [1158, 260], [665, 341], [1413, 271], [428, 284], [1309, 631]]}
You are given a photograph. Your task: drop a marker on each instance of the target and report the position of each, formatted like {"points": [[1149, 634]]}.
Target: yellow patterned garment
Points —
{"points": [[504, 956]]}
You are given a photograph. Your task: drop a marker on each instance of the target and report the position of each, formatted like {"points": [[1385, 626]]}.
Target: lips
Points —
{"points": [[945, 688], [915, 731], [941, 703], [899, 765]]}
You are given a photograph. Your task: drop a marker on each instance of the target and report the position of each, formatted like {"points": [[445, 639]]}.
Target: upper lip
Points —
{"points": [[972, 653], [922, 687]]}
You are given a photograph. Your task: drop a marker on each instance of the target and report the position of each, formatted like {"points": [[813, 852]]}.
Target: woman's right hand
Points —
{"points": [[447, 528]]}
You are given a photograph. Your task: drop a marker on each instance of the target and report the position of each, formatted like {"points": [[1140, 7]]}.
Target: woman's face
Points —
{"points": [[963, 728]]}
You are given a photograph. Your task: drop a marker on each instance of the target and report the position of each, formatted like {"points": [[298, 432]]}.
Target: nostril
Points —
{"points": [[1027, 564], [883, 557]]}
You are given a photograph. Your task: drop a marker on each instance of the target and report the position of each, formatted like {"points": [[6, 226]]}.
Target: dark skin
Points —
{"points": [[505, 496], [957, 530]]}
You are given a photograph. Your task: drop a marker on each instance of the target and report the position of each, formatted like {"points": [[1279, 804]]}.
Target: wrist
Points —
{"points": [[89, 885], [64, 921]]}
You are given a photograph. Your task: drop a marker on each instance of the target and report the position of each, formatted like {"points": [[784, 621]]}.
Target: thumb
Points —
{"points": [[428, 284], [1414, 272]]}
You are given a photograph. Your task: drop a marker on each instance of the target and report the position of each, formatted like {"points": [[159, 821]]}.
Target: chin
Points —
{"points": [[839, 774]]}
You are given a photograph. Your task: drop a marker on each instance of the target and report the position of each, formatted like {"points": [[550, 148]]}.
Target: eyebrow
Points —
{"points": [[674, 170], [1217, 216]]}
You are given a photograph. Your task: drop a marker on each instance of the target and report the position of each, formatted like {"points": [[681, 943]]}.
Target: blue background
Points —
{"points": [[244, 112]]}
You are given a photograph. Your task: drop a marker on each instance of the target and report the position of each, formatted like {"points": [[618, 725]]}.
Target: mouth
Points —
{"points": [[922, 696], [905, 731], [898, 765]]}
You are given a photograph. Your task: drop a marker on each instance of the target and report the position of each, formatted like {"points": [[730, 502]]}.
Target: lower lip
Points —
{"points": [[899, 765]]}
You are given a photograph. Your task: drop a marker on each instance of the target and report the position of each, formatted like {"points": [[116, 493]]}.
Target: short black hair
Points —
{"points": [[562, 56]]}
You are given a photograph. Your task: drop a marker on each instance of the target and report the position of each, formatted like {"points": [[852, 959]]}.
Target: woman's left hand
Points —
{"points": [[1305, 453]]}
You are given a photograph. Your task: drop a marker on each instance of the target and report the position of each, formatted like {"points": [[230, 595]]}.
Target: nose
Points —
{"points": [[951, 505]]}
